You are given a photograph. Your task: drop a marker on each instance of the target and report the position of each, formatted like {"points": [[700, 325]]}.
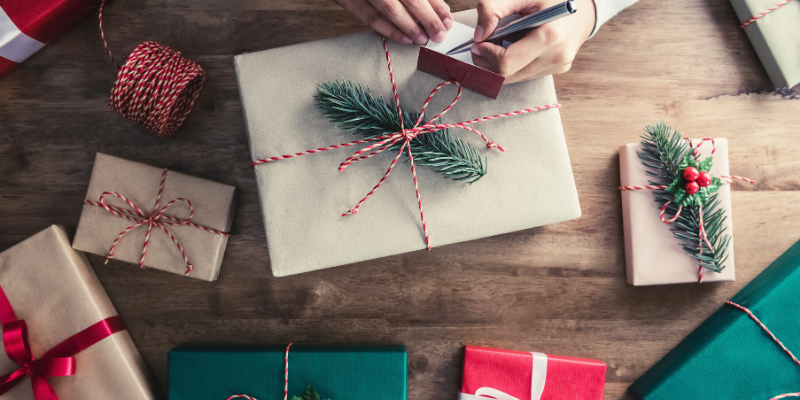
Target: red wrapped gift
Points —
{"points": [[518, 375], [27, 25]]}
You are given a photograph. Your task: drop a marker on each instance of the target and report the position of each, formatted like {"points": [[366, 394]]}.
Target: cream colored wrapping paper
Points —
{"points": [[303, 198], [214, 206], [54, 289], [775, 36], [652, 255]]}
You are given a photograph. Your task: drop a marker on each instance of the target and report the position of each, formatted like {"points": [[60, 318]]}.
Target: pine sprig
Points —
{"points": [[355, 109], [664, 149], [308, 394]]}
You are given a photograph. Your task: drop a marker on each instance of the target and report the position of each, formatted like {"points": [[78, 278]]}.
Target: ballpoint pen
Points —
{"points": [[523, 24]]}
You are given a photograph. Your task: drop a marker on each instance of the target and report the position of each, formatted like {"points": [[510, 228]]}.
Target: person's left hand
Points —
{"points": [[546, 50]]}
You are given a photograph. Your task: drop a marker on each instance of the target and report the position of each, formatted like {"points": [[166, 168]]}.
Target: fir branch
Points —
{"points": [[355, 109], [308, 394], [664, 149]]}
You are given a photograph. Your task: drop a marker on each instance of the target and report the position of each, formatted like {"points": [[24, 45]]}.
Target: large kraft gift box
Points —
{"points": [[303, 198], [335, 372], [214, 206], [28, 25], [730, 356], [653, 256], [775, 37], [55, 291]]}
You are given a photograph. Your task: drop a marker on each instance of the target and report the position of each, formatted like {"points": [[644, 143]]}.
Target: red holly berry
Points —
{"points": [[704, 179], [690, 174], [692, 187]]}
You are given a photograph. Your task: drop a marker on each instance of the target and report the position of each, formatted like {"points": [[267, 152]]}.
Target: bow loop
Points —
{"points": [[15, 341]]}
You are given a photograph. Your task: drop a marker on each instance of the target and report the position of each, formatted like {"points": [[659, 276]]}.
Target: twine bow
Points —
{"points": [[773, 337], [285, 379], [702, 237], [406, 135], [156, 219]]}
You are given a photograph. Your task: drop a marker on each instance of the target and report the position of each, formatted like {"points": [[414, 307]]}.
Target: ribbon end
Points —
{"points": [[352, 211], [108, 257], [189, 269]]}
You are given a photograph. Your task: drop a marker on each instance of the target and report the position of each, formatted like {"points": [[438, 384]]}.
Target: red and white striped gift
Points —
{"points": [[28, 25], [516, 375]]}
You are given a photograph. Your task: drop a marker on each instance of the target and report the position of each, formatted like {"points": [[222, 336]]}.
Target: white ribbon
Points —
{"points": [[15, 45], [538, 378]]}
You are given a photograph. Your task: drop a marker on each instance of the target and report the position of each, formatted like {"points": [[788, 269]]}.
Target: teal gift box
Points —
{"points": [[729, 356], [336, 372]]}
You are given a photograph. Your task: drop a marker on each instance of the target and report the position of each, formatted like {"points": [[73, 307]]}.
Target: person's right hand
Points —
{"points": [[397, 19]]}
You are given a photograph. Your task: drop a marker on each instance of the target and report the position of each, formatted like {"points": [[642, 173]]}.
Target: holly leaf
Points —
{"points": [[688, 161], [705, 165], [701, 197], [716, 183], [682, 199], [676, 185]]}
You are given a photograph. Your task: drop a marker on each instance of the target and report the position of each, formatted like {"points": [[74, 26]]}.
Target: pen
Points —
{"points": [[524, 24]]}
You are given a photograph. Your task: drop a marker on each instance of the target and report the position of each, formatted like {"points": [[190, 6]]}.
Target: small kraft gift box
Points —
{"points": [[746, 350], [275, 372], [62, 337], [773, 27], [517, 375], [517, 176], [156, 218], [28, 25]]}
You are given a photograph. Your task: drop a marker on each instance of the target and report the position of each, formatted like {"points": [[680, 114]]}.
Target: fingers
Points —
{"points": [[370, 16], [507, 62], [427, 17], [443, 11], [396, 13], [491, 11]]}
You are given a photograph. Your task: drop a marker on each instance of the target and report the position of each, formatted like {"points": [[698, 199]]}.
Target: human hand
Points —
{"points": [[397, 19], [546, 50]]}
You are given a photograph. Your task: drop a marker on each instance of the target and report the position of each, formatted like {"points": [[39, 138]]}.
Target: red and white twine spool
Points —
{"points": [[156, 87]]}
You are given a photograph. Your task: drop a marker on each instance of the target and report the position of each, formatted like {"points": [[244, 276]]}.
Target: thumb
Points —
{"points": [[490, 12], [493, 55]]}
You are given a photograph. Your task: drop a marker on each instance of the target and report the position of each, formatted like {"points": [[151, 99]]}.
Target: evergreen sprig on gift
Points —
{"points": [[357, 110], [669, 154], [309, 394]]}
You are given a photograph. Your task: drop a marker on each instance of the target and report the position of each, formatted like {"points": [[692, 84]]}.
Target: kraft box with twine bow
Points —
{"points": [[516, 375], [156, 218], [772, 27], [745, 350], [303, 198], [61, 335], [281, 372]]}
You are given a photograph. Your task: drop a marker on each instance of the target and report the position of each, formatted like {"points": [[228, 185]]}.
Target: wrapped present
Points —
{"points": [[667, 242], [156, 218], [517, 375], [771, 26], [26, 26], [61, 334], [742, 351], [434, 60], [304, 196], [266, 372]]}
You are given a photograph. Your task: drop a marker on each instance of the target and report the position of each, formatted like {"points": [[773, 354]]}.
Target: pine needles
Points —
{"points": [[355, 109], [663, 151], [308, 394]]}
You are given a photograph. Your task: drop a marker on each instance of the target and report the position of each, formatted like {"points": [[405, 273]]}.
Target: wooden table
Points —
{"points": [[558, 289]]}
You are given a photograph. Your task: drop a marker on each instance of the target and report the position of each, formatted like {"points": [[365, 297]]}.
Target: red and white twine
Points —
{"points": [[156, 219], [285, 379], [761, 15], [156, 87], [405, 135], [774, 339], [702, 236]]}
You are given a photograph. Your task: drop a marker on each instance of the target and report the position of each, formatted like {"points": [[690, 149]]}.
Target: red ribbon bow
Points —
{"points": [[156, 219], [59, 361]]}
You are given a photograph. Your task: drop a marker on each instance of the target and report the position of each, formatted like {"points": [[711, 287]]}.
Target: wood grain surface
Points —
{"points": [[558, 289]]}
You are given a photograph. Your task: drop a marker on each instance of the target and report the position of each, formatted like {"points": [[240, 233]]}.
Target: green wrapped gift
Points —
{"points": [[335, 372], [772, 26], [730, 356]]}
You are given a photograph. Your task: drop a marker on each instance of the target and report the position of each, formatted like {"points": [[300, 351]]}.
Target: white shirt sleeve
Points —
{"points": [[606, 9]]}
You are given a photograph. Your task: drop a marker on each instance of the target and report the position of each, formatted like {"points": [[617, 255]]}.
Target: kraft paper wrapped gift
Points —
{"points": [[653, 256], [506, 374], [775, 37], [335, 372], [303, 198], [729, 356], [214, 205], [55, 291]]}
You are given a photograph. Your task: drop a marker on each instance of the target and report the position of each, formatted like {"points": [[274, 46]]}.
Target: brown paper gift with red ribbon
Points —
{"points": [[77, 347], [156, 218]]}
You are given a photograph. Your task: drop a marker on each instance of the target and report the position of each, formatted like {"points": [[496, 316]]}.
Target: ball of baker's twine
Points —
{"points": [[156, 87]]}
